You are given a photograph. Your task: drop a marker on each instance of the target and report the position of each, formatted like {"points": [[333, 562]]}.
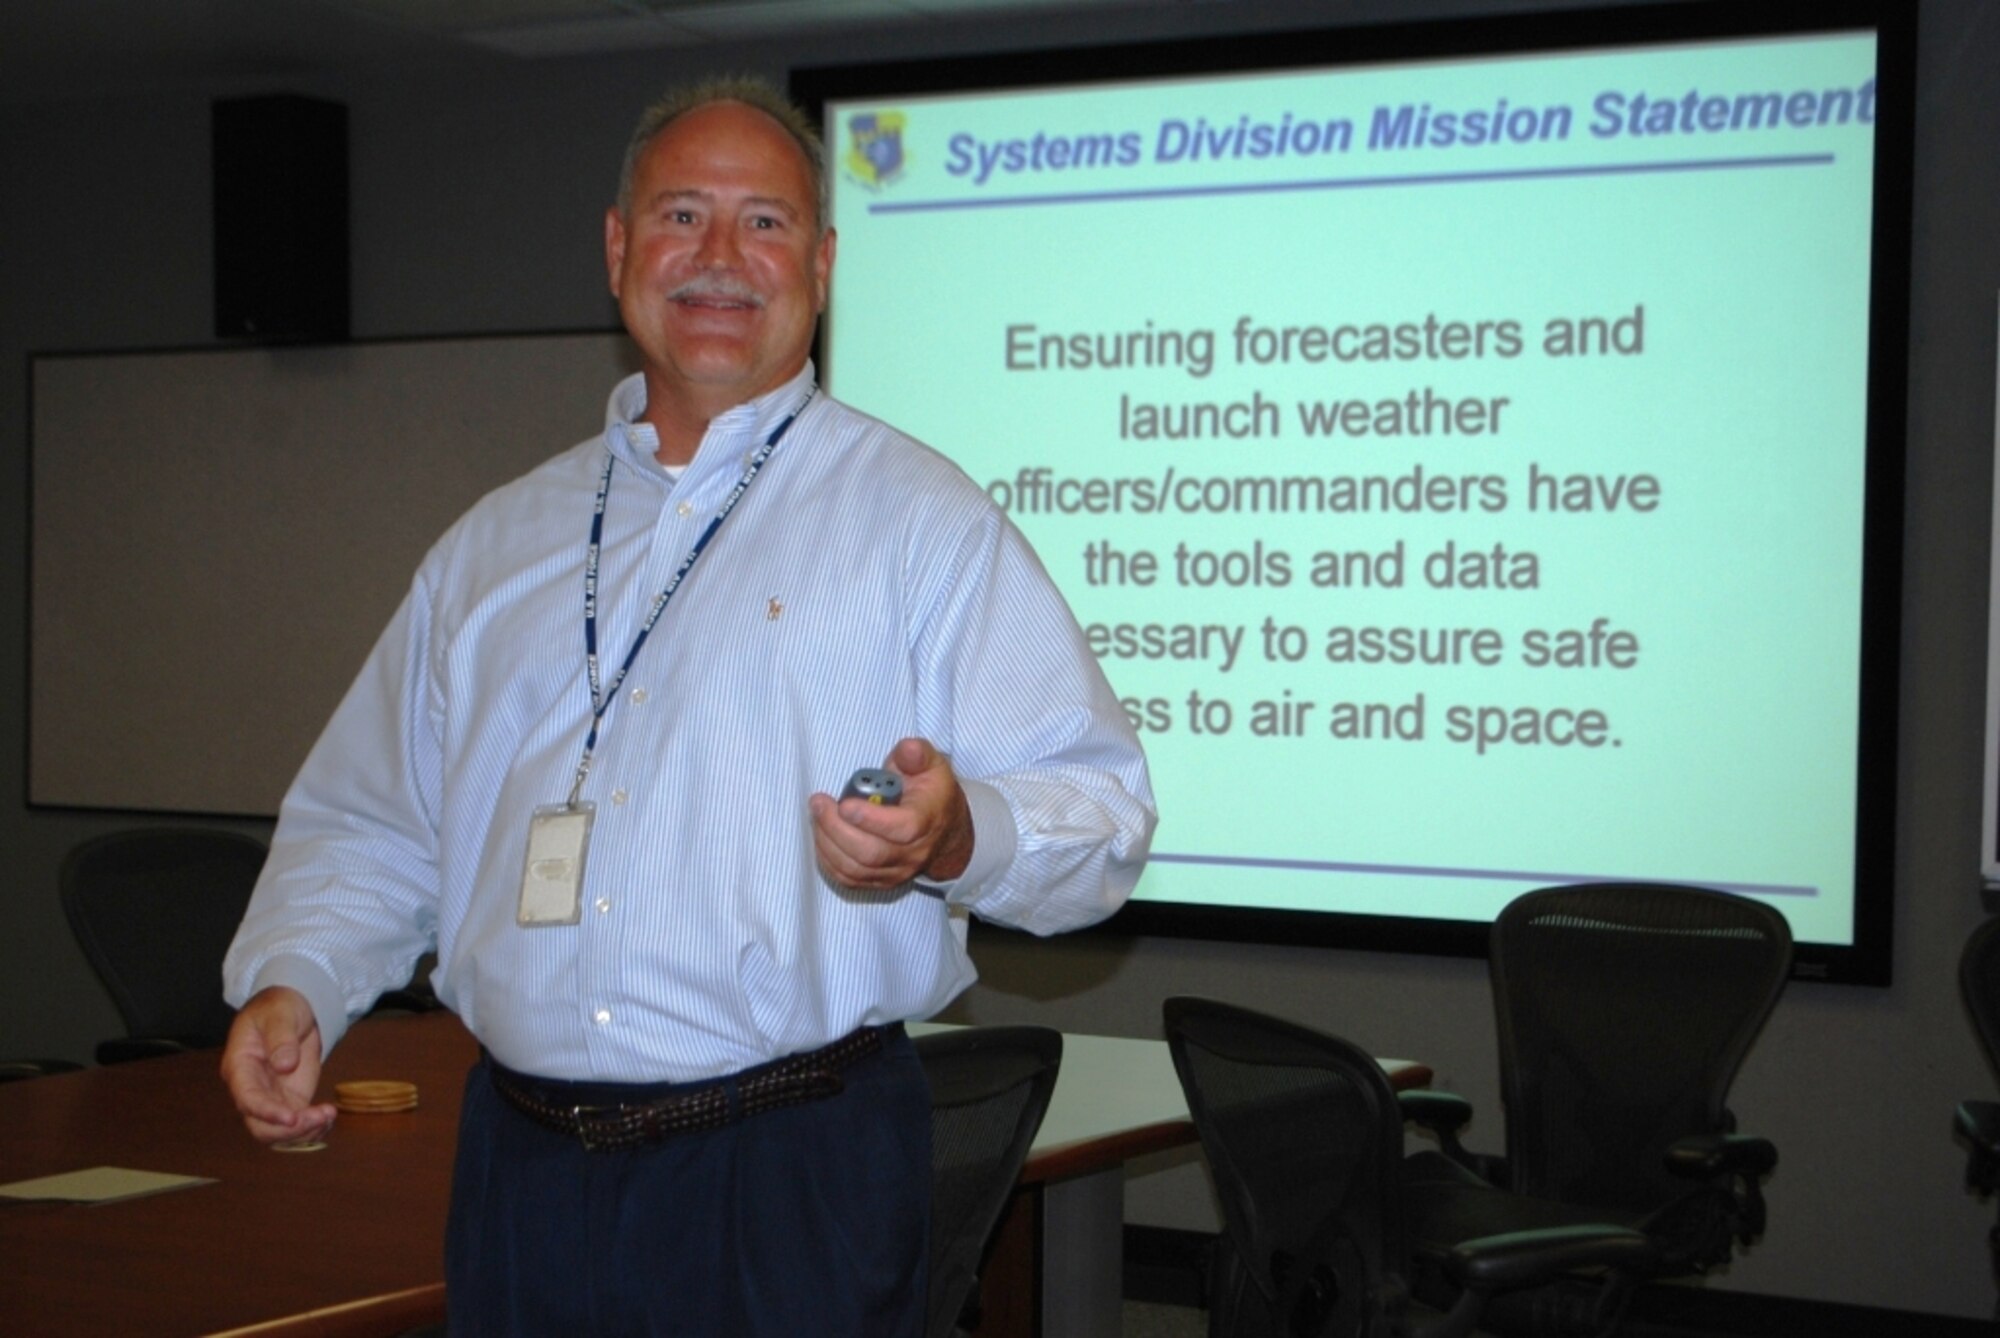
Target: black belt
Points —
{"points": [[795, 1080]]}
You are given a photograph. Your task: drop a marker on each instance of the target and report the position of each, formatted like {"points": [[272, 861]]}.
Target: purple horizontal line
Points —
{"points": [[1359, 183], [1494, 875]]}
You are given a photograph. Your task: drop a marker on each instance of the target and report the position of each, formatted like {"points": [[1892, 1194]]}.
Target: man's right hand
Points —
{"points": [[271, 1065]]}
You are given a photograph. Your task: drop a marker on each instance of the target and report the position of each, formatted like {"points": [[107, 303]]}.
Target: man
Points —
{"points": [[624, 845]]}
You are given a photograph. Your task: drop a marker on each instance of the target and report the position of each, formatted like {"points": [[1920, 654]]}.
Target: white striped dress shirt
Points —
{"points": [[862, 590]]}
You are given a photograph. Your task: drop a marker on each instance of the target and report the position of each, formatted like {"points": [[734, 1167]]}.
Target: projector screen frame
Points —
{"points": [[1866, 959]]}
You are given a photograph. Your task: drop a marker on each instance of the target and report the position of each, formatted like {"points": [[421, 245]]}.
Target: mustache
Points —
{"points": [[717, 287]]}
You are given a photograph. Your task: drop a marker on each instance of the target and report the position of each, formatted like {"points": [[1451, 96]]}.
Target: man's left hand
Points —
{"points": [[877, 847]]}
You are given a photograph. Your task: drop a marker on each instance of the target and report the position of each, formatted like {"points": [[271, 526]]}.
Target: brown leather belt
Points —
{"points": [[811, 1076]]}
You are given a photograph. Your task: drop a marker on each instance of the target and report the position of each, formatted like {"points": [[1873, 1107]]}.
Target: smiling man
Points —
{"points": [[592, 764], [720, 263]]}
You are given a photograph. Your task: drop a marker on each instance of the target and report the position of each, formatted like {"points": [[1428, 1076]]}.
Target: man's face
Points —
{"points": [[719, 268]]}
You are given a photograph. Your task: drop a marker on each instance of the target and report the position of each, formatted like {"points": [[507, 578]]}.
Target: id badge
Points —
{"points": [[552, 874]]}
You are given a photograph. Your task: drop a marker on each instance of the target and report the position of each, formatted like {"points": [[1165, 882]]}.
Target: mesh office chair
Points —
{"points": [[1979, 1121], [154, 910], [1624, 1012], [990, 1087], [1304, 1139]]}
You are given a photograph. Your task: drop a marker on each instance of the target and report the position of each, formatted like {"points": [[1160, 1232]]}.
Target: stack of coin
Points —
{"points": [[375, 1097]]}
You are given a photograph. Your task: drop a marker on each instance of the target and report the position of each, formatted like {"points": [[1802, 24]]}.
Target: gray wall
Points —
{"points": [[478, 193]]}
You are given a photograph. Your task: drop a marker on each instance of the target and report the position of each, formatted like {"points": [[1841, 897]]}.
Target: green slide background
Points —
{"points": [[1730, 758]]}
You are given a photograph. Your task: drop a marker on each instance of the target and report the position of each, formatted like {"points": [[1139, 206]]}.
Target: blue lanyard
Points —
{"points": [[600, 698]]}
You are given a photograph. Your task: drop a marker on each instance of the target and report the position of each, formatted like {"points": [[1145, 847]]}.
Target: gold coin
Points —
{"points": [[374, 1090]]}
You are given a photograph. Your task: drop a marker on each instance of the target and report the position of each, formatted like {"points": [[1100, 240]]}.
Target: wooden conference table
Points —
{"points": [[349, 1240]]}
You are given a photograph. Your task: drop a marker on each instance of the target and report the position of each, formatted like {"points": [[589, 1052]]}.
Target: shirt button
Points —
{"points": [[603, 908], [638, 696], [619, 796], [601, 1016], [684, 509]]}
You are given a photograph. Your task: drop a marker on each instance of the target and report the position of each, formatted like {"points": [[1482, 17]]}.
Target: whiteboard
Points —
{"points": [[218, 536]]}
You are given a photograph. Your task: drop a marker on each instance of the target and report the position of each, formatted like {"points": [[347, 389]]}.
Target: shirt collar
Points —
{"points": [[636, 443]]}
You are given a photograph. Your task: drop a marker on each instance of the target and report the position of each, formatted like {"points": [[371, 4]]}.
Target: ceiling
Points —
{"points": [[56, 49]]}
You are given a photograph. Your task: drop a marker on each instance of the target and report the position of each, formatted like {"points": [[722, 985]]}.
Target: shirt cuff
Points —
{"points": [[323, 993], [994, 837]]}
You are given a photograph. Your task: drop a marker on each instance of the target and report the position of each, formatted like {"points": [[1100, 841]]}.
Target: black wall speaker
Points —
{"points": [[281, 271]]}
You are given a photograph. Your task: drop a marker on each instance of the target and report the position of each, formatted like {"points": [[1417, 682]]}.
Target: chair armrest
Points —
{"points": [[1443, 1113], [1979, 1123], [125, 1049], [1748, 1159], [1705, 1156], [13, 1070], [1516, 1259]]}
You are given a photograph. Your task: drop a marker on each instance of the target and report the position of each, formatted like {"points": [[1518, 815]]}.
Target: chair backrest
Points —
{"points": [[154, 910], [1624, 1011], [1303, 1135], [1979, 983], [990, 1087]]}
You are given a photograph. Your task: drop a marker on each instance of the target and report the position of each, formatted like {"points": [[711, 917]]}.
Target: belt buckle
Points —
{"points": [[584, 1127]]}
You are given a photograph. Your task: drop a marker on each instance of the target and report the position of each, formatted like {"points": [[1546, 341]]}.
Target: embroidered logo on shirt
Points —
{"points": [[774, 610]]}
